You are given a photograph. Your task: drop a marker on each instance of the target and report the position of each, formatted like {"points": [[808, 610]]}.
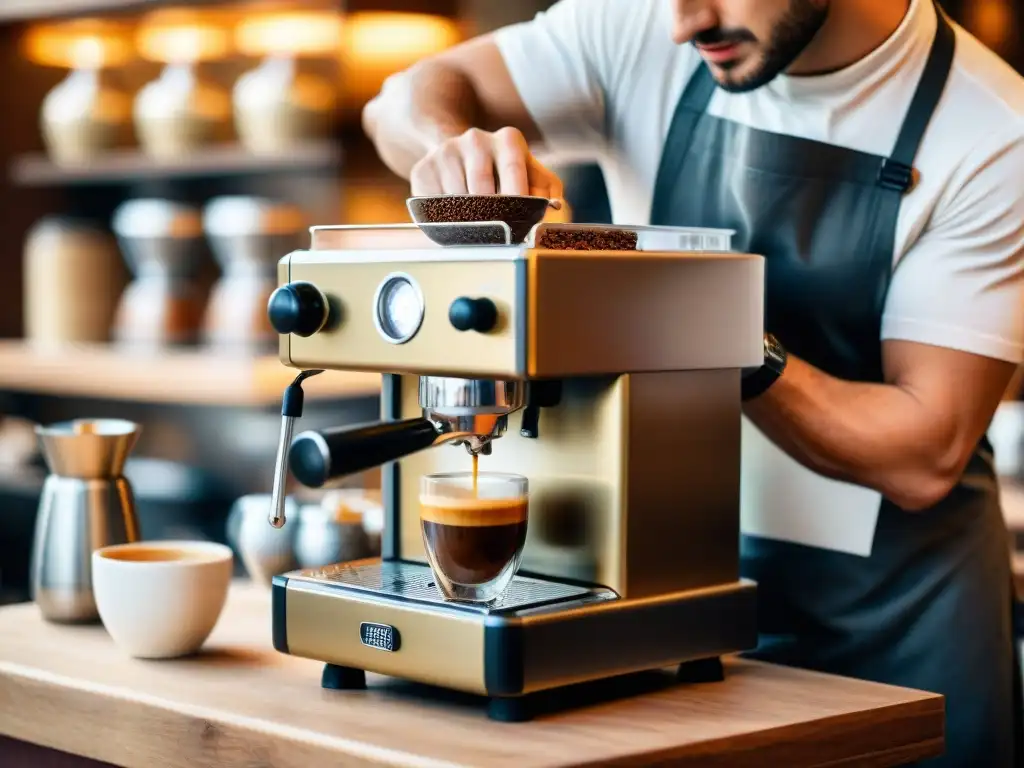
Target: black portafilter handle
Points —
{"points": [[316, 458]]}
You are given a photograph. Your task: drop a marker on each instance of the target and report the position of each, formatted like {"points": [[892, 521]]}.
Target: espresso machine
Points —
{"points": [[602, 363]]}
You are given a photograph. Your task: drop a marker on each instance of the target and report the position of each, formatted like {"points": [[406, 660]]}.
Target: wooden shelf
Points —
{"points": [[193, 377], [20, 10], [129, 165]]}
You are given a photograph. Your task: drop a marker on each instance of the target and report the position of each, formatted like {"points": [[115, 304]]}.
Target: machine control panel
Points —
{"points": [[399, 308]]}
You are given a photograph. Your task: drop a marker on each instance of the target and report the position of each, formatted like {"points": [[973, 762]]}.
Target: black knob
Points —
{"points": [[299, 308], [478, 315]]}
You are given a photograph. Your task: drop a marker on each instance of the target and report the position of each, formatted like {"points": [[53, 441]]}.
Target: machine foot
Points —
{"points": [[510, 710], [337, 678], [701, 671]]}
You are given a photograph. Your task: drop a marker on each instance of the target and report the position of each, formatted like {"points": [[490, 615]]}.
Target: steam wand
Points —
{"points": [[291, 411]]}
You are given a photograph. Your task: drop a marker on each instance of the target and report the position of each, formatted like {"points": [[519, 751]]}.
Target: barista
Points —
{"points": [[873, 153]]}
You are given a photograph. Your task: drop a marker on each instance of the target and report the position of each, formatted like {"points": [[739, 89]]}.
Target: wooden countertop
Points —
{"points": [[240, 703]]}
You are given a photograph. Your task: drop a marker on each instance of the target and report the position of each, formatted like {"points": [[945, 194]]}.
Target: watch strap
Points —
{"points": [[760, 380]]}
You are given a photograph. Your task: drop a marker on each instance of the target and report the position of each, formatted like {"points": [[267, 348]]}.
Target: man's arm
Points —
{"points": [[464, 121], [909, 438], [952, 336], [441, 98]]}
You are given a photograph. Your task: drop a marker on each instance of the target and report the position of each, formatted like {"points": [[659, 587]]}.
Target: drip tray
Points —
{"points": [[414, 582]]}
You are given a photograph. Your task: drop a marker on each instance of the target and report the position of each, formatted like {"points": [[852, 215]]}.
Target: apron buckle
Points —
{"points": [[896, 176]]}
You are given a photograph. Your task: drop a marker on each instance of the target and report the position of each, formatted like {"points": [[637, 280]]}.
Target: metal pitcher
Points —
{"points": [[86, 504]]}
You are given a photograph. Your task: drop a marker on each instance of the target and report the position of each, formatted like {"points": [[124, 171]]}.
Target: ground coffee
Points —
{"points": [[557, 239], [521, 213]]}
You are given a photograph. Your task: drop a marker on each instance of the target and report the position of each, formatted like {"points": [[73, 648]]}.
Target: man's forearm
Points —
{"points": [[417, 110], [875, 435]]}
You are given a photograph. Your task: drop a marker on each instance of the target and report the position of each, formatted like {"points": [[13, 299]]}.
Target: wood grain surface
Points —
{"points": [[193, 377], [120, 165], [239, 703]]}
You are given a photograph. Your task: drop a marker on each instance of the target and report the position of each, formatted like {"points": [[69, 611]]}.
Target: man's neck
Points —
{"points": [[853, 30]]}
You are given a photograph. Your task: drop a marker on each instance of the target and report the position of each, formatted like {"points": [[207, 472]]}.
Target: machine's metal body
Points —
{"points": [[632, 557]]}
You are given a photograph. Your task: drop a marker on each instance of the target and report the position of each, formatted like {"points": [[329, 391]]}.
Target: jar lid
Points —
{"points": [[239, 216], [154, 217]]}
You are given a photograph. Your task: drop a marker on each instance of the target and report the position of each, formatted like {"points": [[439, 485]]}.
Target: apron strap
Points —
{"points": [[897, 171], [690, 109], [699, 90]]}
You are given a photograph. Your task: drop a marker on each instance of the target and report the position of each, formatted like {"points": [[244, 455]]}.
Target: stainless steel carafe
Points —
{"points": [[86, 504]]}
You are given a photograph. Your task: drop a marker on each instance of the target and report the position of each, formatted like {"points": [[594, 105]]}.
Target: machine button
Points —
{"points": [[478, 315], [300, 308]]}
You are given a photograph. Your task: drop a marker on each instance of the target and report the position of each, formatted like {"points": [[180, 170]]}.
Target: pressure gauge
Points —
{"points": [[398, 308]]}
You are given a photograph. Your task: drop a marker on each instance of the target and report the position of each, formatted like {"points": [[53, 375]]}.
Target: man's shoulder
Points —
{"points": [[616, 39], [977, 135], [984, 86], [637, 37]]}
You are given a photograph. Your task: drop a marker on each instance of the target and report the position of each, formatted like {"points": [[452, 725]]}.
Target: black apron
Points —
{"points": [[930, 608]]}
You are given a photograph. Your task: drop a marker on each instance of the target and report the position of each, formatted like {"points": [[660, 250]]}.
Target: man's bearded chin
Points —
{"points": [[790, 37]]}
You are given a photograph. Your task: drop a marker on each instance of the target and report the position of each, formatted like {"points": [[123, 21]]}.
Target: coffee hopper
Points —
{"points": [[511, 217]]}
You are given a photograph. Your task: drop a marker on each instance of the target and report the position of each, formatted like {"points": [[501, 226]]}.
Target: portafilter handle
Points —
{"points": [[318, 457], [291, 410]]}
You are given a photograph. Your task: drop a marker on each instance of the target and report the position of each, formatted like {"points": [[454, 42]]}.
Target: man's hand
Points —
{"points": [[455, 124], [483, 163], [909, 439]]}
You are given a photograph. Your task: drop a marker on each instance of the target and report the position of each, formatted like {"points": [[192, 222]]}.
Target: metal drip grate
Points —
{"points": [[413, 581]]}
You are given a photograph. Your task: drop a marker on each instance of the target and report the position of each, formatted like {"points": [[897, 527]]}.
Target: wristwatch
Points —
{"points": [[757, 381]]}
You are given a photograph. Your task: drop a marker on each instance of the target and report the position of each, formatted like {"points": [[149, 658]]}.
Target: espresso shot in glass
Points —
{"points": [[474, 533]]}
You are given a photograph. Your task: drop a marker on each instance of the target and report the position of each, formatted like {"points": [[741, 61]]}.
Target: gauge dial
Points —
{"points": [[399, 308]]}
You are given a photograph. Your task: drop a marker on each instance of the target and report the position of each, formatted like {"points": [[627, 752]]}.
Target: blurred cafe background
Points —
{"points": [[156, 160]]}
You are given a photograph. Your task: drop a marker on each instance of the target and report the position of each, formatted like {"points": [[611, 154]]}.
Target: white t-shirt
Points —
{"points": [[602, 79]]}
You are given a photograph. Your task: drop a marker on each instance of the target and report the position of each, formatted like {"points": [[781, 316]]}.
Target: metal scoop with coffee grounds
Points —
{"points": [[488, 219]]}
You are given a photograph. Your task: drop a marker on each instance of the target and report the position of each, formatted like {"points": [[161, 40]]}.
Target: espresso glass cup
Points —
{"points": [[474, 537]]}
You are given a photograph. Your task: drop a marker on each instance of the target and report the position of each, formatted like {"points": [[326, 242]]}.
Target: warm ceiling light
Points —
{"points": [[992, 21], [78, 44], [378, 44], [290, 34], [396, 40], [182, 37]]}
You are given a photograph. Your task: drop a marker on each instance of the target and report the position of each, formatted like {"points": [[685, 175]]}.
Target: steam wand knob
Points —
{"points": [[291, 411], [300, 308]]}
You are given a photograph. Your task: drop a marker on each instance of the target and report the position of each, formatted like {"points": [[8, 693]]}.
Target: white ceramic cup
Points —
{"points": [[161, 599]]}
